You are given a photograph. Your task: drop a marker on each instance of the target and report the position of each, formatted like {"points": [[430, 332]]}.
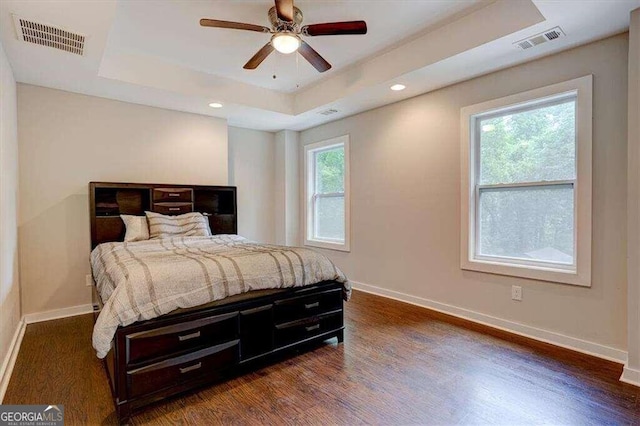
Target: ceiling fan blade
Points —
{"points": [[233, 25], [259, 57], [313, 57], [284, 9], [335, 28]]}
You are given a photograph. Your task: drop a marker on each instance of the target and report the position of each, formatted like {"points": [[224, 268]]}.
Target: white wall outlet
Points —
{"points": [[516, 292], [88, 280]]}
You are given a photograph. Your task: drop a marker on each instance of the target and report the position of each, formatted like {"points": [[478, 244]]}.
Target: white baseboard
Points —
{"points": [[557, 339], [58, 313], [631, 376], [10, 358]]}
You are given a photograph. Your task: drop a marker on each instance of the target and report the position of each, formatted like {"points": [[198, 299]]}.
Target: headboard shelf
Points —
{"points": [[108, 200]]}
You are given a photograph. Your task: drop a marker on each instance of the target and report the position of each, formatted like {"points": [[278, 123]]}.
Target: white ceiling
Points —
{"points": [[170, 31], [154, 52]]}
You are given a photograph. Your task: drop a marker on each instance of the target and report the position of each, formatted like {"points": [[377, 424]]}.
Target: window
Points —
{"points": [[327, 194], [526, 184]]}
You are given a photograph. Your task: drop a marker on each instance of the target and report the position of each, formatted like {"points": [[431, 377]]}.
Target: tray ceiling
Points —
{"points": [[155, 53]]}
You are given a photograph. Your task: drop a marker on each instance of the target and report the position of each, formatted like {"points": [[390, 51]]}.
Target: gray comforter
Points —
{"points": [[143, 280]]}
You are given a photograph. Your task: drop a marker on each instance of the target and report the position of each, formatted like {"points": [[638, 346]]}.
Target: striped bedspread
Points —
{"points": [[145, 279]]}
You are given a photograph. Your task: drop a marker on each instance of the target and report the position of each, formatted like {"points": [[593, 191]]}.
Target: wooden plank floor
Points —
{"points": [[399, 364]]}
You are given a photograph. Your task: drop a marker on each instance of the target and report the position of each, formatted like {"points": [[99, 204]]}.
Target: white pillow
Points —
{"points": [[187, 225], [137, 228]]}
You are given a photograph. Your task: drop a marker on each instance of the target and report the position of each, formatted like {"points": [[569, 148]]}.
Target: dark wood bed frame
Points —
{"points": [[189, 348]]}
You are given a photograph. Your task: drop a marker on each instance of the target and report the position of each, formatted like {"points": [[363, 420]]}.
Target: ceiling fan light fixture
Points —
{"points": [[286, 34], [285, 42]]}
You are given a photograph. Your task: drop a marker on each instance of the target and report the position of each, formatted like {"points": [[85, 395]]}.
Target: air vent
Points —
{"points": [[50, 36], [525, 45], [328, 111], [538, 39], [553, 34]]}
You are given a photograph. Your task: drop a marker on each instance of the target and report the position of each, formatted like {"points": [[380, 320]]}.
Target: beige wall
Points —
{"points": [[68, 140], [9, 283], [252, 170], [405, 199], [287, 194], [633, 202]]}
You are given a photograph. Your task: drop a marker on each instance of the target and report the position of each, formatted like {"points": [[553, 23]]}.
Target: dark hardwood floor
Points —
{"points": [[404, 365]]}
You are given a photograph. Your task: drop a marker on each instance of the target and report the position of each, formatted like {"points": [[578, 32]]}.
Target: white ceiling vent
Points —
{"points": [[50, 36], [543, 37], [328, 111]]}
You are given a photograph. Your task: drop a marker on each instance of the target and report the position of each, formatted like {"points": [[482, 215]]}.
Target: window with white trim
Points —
{"points": [[526, 195], [327, 194]]}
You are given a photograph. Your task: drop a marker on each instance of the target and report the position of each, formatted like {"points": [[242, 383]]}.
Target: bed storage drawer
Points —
{"points": [[307, 306], [172, 208], [208, 362], [300, 330], [172, 195], [171, 339]]}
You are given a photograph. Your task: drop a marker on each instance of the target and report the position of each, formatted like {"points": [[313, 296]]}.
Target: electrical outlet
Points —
{"points": [[88, 280], [516, 292]]}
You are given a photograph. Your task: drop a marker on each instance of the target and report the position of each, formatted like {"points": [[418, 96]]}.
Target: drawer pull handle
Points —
{"points": [[312, 305], [312, 327], [174, 209], [190, 368], [189, 336], [173, 194]]}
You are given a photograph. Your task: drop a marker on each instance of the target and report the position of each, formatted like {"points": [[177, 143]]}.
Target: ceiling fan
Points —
{"points": [[286, 33]]}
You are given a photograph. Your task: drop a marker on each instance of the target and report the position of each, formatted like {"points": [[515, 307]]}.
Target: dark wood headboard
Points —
{"points": [[107, 201]]}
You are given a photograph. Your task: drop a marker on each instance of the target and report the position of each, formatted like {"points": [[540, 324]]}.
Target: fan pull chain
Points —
{"points": [[273, 69], [297, 71]]}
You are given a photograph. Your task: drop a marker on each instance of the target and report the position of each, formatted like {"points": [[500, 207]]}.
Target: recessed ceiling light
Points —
{"points": [[215, 105], [398, 87]]}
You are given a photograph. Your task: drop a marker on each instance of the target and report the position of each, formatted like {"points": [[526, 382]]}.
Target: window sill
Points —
{"points": [[562, 276], [327, 245]]}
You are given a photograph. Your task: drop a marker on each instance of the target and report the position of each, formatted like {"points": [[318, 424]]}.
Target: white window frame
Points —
{"points": [[580, 272], [310, 194]]}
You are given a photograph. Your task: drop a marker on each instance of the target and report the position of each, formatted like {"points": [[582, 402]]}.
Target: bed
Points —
{"points": [[176, 313]]}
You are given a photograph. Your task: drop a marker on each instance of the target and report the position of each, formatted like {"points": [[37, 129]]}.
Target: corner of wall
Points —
{"points": [[10, 305]]}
